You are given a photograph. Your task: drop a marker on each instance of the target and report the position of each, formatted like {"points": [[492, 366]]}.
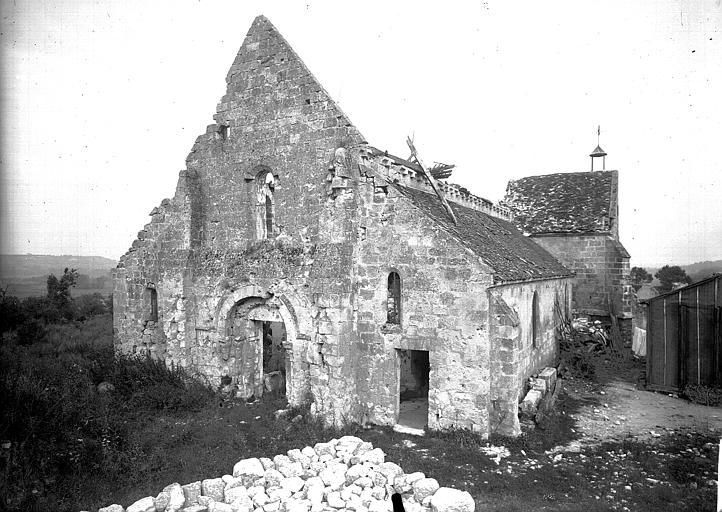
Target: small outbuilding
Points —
{"points": [[684, 336]]}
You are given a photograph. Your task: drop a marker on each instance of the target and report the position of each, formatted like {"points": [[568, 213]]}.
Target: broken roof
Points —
{"points": [[511, 255], [576, 202]]}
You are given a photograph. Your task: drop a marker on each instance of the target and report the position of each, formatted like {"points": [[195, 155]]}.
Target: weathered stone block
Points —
{"points": [[549, 375], [531, 402]]}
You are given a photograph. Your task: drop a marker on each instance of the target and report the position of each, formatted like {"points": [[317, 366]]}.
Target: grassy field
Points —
{"points": [[68, 447]]}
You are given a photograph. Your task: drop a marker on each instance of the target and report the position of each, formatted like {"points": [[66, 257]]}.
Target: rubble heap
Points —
{"points": [[343, 474]]}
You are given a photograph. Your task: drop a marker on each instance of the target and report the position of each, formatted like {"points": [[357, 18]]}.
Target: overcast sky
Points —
{"points": [[102, 100]]}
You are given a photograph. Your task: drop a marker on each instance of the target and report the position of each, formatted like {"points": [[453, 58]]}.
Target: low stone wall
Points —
{"points": [[343, 474]]}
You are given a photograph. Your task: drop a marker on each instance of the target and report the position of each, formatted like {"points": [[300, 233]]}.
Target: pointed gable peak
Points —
{"points": [[266, 59]]}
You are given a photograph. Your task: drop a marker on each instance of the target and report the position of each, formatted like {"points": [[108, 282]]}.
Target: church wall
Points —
{"points": [[602, 271], [444, 310], [155, 261], [514, 353]]}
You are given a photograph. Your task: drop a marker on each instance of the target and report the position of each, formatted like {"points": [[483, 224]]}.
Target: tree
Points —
{"points": [[59, 292], [639, 276], [670, 277]]}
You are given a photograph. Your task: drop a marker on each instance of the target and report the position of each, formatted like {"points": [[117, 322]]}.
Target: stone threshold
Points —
{"points": [[403, 429]]}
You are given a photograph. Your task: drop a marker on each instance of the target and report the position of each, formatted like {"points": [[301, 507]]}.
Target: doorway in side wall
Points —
{"points": [[413, 388], [273, 336]]}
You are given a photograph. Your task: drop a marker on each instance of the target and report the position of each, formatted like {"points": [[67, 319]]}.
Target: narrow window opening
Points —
{"points": [[535, 330], [265, 207], [393, 303], [224, 131], [308, 102], [153, 317], [269, 217]]}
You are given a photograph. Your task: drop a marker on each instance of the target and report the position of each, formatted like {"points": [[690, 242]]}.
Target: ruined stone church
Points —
{"points": [[294, 248]]}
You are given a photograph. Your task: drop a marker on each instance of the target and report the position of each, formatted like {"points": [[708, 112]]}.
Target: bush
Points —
{"points": [[146, 382], [578, 364], [704, 395], [30, 332], [56, 421], [11, 312], [87, 306], [28, 319]]}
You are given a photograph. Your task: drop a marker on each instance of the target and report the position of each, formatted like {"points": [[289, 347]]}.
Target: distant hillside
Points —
{"points": [[703, 269], [18, 266], [26, 275]]}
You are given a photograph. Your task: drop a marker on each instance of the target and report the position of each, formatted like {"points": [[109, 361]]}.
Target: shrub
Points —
{"points": [[148, 383], [30, 332], [57, 423], [704, 395], [87, 306], [578, 364], [11, 312]]}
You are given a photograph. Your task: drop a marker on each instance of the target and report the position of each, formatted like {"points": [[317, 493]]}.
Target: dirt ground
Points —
{"points": [[615, 406]]}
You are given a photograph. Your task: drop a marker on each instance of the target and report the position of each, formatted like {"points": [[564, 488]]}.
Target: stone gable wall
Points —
{"points": [[202, 245], [274, 116]]}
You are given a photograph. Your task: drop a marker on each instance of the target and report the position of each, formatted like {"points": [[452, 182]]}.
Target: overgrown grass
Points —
{"points": [[73, 448], [60, 429]]}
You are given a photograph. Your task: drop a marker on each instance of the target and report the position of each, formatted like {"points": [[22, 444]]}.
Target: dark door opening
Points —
{"points": [[274, 357], [413, 388]]}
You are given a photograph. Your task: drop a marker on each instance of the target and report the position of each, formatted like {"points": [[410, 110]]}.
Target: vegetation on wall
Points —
{"points": [[281, 256]]}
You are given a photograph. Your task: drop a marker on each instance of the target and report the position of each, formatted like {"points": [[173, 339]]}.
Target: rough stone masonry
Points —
{"points": [[293, 248]]}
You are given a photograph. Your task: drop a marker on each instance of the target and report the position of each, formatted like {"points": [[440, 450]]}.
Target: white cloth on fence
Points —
{"points": [[639, 341]]}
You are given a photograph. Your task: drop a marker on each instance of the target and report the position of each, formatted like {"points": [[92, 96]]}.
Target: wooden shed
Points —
{"points": [[684, 331]]}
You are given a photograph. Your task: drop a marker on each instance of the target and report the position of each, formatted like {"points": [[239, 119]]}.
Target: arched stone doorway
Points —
{"points": [[245, 318], [256, 339]]}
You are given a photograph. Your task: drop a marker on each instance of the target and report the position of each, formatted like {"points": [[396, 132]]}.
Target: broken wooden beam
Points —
{"points": [[441, 171], [431, 179]]}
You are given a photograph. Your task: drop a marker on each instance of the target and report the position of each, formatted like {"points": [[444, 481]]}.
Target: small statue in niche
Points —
{"points": [[338, 174]]}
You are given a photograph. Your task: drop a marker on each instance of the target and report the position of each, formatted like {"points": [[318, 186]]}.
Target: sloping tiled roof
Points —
{"points": [[576, 202], [511, 255]]}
